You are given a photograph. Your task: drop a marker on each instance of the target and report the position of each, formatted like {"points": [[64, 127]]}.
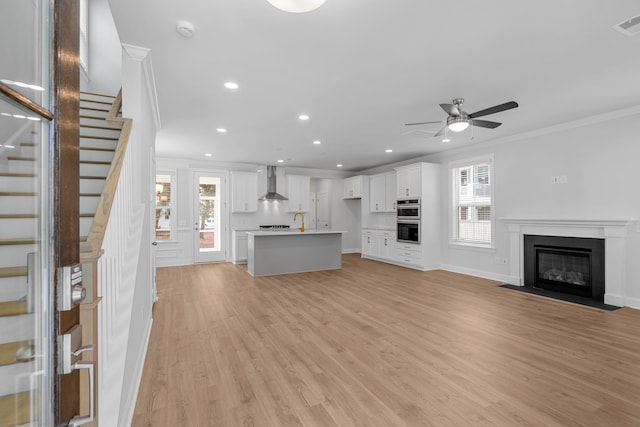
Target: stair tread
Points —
{"points": [[17, 193], [101, 127], [13, 271], [17, 216], [93, 109], [30, 159], [90, 194], [94, 162], [9, 351], [13, 308], [93, 177], [12, 242], [106, 138], [112, 150], [18, 175], [15, 409]]}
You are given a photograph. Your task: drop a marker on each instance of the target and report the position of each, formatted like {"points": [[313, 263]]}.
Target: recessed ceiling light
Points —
{"points": [[9, 146], [445, 140], [339, 165], [388, 151], [297, 6], [208, 154], [317, 142], [303, 117], [222, 130], [280, 161], [19, 116], [231, 85]]}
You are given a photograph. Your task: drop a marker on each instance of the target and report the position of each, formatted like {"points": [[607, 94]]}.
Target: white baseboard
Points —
{"points": [[633, 303], [350, 251], [478, 273], [127, 411]]}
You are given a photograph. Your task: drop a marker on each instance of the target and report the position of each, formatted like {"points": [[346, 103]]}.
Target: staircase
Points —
{"points": [[19, 168]]}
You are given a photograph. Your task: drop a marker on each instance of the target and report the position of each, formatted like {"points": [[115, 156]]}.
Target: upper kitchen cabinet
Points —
{"points": [[382, 192], [353, 187], [244, 192], [298, 192], [409, 181]]}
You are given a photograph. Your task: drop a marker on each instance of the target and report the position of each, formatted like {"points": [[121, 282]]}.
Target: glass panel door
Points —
{"points": [[208, 219], [26, 354], [26, 255]]}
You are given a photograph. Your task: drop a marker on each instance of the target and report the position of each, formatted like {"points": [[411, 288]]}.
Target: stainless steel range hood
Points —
{"points": [[271, 186]]}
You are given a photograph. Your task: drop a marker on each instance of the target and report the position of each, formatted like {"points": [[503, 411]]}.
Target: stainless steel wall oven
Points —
{"points": [[408, 231], [408, 209]]}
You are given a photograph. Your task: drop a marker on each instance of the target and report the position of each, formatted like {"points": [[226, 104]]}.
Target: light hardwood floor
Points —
{"points": [[378, 345]]}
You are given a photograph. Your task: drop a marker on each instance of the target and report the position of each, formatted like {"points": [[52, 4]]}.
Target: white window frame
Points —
{"points": [[454, 202]]}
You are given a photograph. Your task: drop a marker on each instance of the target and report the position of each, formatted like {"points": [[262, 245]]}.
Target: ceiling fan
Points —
{"points": [[458, 120]]}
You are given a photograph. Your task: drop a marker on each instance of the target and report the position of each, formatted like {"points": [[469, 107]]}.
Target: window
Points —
{"points": [[472, 202], [164, 203]]}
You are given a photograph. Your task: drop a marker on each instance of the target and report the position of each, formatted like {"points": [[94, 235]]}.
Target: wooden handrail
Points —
{"points": [[92, 248]]}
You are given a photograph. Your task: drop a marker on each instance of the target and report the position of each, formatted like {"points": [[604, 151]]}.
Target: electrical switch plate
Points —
{"points": [[555, 179]]}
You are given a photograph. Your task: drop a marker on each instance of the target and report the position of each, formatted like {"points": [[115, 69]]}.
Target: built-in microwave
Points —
{"points": [[408, 231], [408, 209]]}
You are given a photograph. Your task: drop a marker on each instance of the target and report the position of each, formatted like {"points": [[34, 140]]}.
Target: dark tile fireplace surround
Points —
{"points": [[569, 265]]}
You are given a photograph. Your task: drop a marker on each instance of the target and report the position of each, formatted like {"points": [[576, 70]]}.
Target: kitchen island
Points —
{"points": [[293, 251]]}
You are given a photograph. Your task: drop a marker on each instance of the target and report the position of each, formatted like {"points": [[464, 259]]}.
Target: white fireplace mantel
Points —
{"points": [[613, 231]]}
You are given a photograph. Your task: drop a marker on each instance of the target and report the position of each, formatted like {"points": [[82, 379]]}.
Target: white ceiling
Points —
{"points": [[363, 68]]}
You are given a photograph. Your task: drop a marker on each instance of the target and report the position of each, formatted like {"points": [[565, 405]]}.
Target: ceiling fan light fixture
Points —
{"points": [[297, 6], [457, 124]]}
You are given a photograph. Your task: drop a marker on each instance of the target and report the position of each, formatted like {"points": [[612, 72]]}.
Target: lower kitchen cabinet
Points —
{"points": [[239, 247], [409, 253], [378, 244]]}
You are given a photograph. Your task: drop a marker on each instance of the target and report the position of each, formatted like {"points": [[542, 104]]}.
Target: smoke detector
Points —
{"points": [[629, 27], [185, 28]]}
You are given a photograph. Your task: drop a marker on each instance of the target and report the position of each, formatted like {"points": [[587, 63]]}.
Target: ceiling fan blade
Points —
{"points": [[440, 132], [485, 124], [422, 123], [495, 109], [450, 109]]}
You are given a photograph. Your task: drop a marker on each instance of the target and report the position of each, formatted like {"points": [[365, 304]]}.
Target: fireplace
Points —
{"points": [[570, 265]]}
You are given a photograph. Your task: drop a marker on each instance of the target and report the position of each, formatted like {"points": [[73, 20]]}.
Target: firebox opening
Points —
{"points": [[569, 265]]}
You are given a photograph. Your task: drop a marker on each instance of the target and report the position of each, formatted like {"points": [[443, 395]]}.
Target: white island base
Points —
{"points": [[283, 252]]}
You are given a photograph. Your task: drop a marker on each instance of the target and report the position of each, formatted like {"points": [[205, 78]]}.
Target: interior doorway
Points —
{"points": [[208, 217], [320, 206]]}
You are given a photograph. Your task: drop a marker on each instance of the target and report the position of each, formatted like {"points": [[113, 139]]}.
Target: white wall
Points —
{"points": [[599, 158], [105, 57], [180, 250]]}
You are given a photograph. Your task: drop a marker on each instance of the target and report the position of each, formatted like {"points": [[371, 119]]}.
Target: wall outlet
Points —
{"points": [[505, 261]]}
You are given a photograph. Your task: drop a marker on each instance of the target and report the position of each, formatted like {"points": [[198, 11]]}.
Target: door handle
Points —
{"points": [[79, 420], [154, 243]]}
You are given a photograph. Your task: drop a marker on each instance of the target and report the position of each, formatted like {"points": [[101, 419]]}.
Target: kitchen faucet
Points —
{"points": [[295, 215]]}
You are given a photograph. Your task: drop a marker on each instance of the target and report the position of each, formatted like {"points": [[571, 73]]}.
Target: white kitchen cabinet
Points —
{"points": [[377, 193], [409, 253], [379, 244], [409, 179], [298, 193], [382, 192], [353, 187], [244, 192], [239, 247], [390, 191], [368, 244]]}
